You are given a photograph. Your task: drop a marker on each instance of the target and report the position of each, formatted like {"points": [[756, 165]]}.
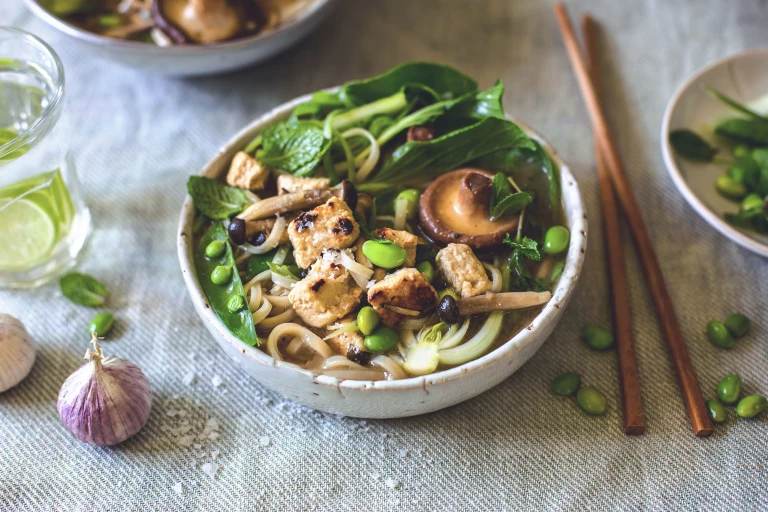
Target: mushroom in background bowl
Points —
{"points": [[361, 309], [185, 37]]}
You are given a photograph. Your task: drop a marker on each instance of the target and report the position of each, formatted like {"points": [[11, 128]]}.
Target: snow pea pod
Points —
{"points": [[239, 322], [747, 131]]}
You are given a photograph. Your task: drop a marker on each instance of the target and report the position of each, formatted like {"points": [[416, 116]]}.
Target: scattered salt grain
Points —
{"points": [[403, 453], [210, 469], [216, 381], [193, 356], [177, 488], [212, 424], [186, 440], [391, 483], [215, 454], [376, 476], [197, 446], [264, 440], [213, 436], [171, 412], [188, 379]]}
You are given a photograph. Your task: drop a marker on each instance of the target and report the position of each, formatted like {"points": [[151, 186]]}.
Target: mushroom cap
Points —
{"points": [[455, 209], [202, 21]]}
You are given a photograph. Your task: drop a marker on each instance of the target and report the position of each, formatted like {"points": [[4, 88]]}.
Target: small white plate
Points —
{"points": [[744, 77]]}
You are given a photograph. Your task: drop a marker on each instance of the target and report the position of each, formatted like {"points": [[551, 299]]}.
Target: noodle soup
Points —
{"points": [[396, 227]]}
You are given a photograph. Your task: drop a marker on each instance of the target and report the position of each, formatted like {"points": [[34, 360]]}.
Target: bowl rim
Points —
{"points": [[670, 162], [187, 49], [577, 219]]}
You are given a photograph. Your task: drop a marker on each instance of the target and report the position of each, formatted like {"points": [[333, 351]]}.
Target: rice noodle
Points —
{"points": [[280, 255], [310, 339], [391, 368], [345, 327], [272, 241], [495, 277], [355, 374], [285, 282], [254, 298], [402, 311], [341, 362], [371, 160], [258, 278], [278, 300], [401, 210], [263, 312], [274, 321], [451, 339], [292, 349]]}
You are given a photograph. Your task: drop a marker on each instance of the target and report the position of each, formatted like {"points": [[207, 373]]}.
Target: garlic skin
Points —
{"points": [[105, 401], [17, 352]]}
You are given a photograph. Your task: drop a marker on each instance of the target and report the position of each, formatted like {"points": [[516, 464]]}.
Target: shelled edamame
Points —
{"points": [[589, 399], [728, 392], [723, 334]]}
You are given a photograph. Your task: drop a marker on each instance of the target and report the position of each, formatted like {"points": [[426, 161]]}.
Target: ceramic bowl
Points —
{"points": [[385, 399], [193, 60], [744, 78]]}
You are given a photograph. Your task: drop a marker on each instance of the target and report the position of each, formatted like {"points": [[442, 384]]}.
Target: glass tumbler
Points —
{"points": [[44, 222]]}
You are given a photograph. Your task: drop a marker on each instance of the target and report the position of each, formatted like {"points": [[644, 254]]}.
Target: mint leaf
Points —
{"points": [[294, 146], [527, 247], [503, 200], [83, 289], [215, 200]]}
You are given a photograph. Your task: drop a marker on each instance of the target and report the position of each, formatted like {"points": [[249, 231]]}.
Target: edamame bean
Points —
{"points": [[591, 400], [235, 303], [740, 150], [752, 405], [752, 202], [383, 339], [101, 324], [367, 320], [411, 196], [384, 255], [427, 269], [597, 337], [215, 249], [221, 274], [737, 324], [566, 384], [729, 388], [730, 188], [719, 335], [447, 291], [556, 240], [716, 411]]}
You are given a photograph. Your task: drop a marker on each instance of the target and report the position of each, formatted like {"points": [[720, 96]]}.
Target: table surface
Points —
{"points": [[137, 137]]}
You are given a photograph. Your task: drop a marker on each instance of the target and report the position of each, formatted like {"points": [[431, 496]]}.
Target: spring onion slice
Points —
{"points": [[263, 312], [280, 255], [370, 162], [451, 339], [391, 368], [477, 345], [401, 210], [422, 358], [272, 241]]}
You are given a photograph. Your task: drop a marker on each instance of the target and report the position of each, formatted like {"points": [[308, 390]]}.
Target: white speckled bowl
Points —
{"points": [[385, 399], [743, 77], [194, 60]]}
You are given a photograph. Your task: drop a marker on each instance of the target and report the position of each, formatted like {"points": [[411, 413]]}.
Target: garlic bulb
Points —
{"points": [[17, 352], [105, 401]]}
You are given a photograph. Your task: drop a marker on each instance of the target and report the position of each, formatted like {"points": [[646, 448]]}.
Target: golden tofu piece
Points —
{"points": [[245, 172], [460, 267], [405, 290], [328, 226], [287, 184]]}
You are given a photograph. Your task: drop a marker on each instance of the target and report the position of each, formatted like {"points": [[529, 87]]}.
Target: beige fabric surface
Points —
{"points": [[517, 447]]}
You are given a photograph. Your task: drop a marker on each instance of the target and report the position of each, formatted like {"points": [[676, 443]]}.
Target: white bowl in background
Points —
{"points": [[744, 77], [195, 59], [385, 399]]}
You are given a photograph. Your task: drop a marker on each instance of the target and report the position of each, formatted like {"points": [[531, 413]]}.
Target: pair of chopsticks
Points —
{"points": [[614, 185]]}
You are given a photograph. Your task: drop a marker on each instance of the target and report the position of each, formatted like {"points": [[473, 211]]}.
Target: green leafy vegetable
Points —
{"points": [[527, 247], [426, 252], [293, 146], [524, 249], [443, 80], [450, 151], [83, 289], [258, 263], [503, 200], [553, 176], [215, 200], [239, 322], [691, 146], [739, 107], [322, 101], [289, 271], [748, 131], [760, 185]]}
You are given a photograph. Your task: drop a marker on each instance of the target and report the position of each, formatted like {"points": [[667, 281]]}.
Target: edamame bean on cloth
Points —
{"points": [[591, 400]]}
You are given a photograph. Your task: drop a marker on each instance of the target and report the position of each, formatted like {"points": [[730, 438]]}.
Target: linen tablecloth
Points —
{"points": [[137, 137]]}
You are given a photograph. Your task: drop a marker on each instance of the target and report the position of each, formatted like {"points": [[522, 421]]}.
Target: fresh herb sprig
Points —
{"points": [[83, 289], [216, 200], [504, 200]]}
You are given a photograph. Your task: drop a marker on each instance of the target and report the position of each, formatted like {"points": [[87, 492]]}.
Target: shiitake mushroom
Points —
{"points": [[205, 21]]}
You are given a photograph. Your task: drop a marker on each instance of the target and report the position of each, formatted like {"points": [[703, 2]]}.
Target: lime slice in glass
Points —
{"points": [[28, 232]]}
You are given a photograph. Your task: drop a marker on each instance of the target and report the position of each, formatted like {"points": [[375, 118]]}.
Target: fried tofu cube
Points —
{"points": [[328, 226], [350, 344], [287, 184], [404, 239], [245, 172], [325, 295], [460, 267], [402, 294]]}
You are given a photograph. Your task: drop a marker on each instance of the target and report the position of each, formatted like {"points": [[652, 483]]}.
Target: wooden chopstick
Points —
{"points": [[681, 360], [629, 380]]}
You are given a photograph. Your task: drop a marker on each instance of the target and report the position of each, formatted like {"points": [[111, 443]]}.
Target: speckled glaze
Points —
{"points": [[194, 60], [386, 399]]}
